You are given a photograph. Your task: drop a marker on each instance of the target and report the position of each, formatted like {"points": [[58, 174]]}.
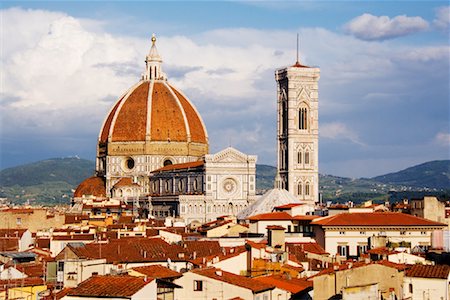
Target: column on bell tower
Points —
{"points": [[298, 130]]}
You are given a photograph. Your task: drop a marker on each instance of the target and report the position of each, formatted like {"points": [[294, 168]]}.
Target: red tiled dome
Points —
{"points": [[94, 186], [153, 111]]}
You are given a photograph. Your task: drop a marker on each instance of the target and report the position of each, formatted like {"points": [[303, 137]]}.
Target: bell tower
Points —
{"points": [[298, 130]]}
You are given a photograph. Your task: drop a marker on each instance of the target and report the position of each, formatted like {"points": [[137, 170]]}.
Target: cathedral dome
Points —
{"points": [[151, 115], [153, 111]]}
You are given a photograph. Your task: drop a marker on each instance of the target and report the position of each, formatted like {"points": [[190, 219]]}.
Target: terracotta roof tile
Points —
{"points": [[273, 216], [375, 219], [12, 232], [288, 206], [198, 133], [315, 248], [131, 119], [28, 281], [135, 249], [9, 244], [92, 186], [157, 271], [241, 281], [428, 271], [294, 285], [189, 165], [125, 181], [105, 130], [109, 286]]}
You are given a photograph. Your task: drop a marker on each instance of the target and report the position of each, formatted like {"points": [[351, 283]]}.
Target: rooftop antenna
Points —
{"points": [[297, 49]]}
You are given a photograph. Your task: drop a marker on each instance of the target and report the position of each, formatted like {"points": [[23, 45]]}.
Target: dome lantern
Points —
{"points": [[153, 62]]}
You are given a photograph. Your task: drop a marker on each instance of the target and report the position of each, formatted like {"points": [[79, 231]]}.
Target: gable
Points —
{"points": [[228, 155]]}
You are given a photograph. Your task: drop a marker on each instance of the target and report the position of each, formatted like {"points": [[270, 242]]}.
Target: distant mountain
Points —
{"points": [[52, 181], [47, 181], [432, 175]]}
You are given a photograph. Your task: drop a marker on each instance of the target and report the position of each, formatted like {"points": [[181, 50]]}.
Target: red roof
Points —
{"points": [[9, 244], [375, 219], [109, 286], [74, 237], [157, 271], [305, 247], [134, 249], [256, 245], [381, 251], [168, 116], [12, 232], [275, 227], [427, 271], [273, 216], [125, 181], [31, 269], [188, 165], [288, 206], [94, 186], [294, 285], [241, 281]]}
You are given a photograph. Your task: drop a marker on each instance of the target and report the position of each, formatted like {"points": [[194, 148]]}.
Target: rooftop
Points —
{"points": [[374, 219], [428, 271], [109, 286], [244, 282]]}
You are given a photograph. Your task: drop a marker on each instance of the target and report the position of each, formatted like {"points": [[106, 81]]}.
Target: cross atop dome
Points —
{"points": [[153, 62]]}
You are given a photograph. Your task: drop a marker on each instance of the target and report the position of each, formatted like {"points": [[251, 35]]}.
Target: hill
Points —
{"points": [[53, 180], [46, 181], [431, 175]]}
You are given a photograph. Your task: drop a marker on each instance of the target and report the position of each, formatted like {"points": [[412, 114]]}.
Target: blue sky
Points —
{"points": [[383, 92]]}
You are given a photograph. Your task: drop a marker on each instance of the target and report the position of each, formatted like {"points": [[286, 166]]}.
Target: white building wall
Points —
{"points": [[234, 265], [213, 289], [425, 288], [360, 236]]}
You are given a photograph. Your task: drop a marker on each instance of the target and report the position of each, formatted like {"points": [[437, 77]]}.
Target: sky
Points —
{"points": [[383, 91]]}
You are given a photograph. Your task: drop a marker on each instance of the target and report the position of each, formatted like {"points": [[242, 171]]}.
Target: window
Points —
{"points": [[361, 249], [19, 221], [307, 157], [403, 232], [180, 186], [299, 189], [342, 232], [198, 285], [299, 157], [130, 163], [343, 250], [410, 288], [303, 118], [167, 162], [307, 189]]}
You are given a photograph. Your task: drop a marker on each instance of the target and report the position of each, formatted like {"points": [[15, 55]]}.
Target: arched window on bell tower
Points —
{"points": [[307, 191], [303, 118], [307, 157], [299, 157], [299, 189]]}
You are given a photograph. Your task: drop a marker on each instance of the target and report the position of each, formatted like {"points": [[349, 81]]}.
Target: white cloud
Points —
{"points": [[339, 131], [443, 138], [370, 27], [61, 75], [442, 20]]}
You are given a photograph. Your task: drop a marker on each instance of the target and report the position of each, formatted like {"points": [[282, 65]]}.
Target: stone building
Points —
{"points": [[298, 131], [152, 157]]}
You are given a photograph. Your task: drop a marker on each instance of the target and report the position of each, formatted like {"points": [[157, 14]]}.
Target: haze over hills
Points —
{"points": [[52, 181]]}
